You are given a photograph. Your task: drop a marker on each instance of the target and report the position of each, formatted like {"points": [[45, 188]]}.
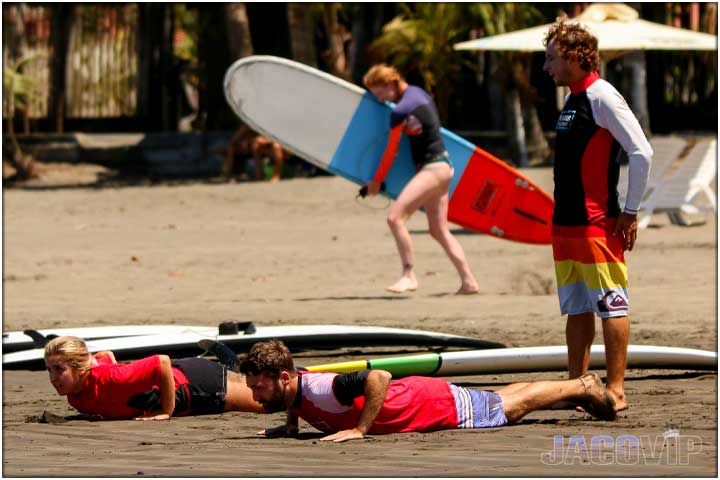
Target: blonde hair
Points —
{"points": [[72, 350], [382, 74]]}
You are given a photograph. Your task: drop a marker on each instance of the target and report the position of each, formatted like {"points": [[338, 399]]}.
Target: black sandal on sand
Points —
{"points": [[603, 409]]}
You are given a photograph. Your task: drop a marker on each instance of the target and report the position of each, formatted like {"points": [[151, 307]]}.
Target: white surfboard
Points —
{"points": [[550, 358], [19, 340], [304, 336], [525, 359]]}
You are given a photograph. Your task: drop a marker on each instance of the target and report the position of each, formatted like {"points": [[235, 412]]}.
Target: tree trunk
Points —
{"points": [[335, 56], [24, 164], [158, 83], [516, 128], [537, 148], [214, 114], [302, 33], [537, 144], [366, 25], [238, 30], [61, 18], [635, 61], [169, 74], [494, 92]]}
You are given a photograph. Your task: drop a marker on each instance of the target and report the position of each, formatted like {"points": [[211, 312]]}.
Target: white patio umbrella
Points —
{"points": [[617, 28]]}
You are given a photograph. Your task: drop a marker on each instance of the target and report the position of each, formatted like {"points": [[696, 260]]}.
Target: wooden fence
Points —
{"points": [[101, 68]]}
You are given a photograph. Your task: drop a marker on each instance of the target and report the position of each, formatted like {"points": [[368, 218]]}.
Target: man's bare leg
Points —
{"points": [[616, 333], [579, 334], [278, 161], [228, 162], [588, 391]]}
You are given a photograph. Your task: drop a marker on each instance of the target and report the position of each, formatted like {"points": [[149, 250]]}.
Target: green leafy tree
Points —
{"points": [[527, 141], [421, 40]]}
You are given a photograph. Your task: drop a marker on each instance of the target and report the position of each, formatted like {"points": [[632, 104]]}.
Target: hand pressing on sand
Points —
{"points": [[281, 431], [161, 416], [344, 435]]}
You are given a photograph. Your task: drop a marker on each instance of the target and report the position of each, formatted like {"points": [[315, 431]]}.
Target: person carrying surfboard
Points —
{"points": [[351, 405], [590, 232], [415, 114], [153, 388]]}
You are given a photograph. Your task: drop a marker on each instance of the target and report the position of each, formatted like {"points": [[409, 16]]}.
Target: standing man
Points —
{"points": [[590, 230], [351, 405]]}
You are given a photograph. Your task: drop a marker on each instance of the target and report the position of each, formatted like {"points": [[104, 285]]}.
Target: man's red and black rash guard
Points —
{"points": [[594, 123], [333, 402], [415, 115]]}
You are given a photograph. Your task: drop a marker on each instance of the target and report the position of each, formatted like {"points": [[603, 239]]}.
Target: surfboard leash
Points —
{"points": [[363, 195]]}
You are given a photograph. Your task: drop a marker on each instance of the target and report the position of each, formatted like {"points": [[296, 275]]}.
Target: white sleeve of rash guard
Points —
{"points": [[612, 113]]}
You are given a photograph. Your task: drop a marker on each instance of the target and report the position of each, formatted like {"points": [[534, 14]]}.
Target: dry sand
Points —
{"points": [[304, 252]]}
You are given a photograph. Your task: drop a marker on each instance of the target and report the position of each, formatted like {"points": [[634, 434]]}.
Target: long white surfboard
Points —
{"points": [[304, 336], [18, 340], [525, 359]]}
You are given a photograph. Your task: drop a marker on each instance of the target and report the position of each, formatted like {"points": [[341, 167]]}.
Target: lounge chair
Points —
{"points": [[665, 151], [678, 194]]}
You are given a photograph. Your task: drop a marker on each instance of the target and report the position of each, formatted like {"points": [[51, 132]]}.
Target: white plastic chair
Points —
{"points": [[665, 151], [678, 194]]}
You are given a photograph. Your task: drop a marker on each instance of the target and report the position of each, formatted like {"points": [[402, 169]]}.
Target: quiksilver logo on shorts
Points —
{"points": [[612, 301], [565, 120]]}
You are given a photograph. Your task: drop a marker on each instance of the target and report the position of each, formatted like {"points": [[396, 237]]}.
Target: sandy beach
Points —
{"points": [[304, 251]]}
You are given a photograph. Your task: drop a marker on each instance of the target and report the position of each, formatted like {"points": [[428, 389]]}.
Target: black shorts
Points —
{"points": [[207, 388]]}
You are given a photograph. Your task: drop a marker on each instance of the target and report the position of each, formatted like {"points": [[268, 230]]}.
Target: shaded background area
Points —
{"points": [[158, 67]]}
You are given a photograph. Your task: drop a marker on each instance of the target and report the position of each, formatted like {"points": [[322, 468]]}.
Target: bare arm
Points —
{"points": [[376, 387], [167, 392]]}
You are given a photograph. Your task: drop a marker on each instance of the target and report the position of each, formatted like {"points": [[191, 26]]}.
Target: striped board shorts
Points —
{"points": [[591, 272], [478, 408]]}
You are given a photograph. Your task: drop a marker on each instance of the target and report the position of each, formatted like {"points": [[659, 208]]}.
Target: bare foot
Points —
{"points": [[275, 179], [468, 290], [597, 401], [405, 284], [619, 399]]}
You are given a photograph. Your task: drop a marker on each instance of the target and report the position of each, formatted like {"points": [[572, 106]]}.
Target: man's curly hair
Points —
{"points": [[571, 38], [271, 357]]}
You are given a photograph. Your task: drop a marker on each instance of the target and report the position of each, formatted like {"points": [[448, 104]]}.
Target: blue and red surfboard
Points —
{"points": [[343, 129]]}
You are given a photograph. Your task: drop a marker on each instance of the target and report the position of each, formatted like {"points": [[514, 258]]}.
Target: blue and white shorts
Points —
{"points": [[478, 408]]}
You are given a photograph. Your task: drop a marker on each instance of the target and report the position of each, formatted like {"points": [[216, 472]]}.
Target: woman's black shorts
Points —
{"points": [[207, 388]]}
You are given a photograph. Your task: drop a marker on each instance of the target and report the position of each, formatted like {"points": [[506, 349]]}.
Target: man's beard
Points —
{"points": [[275, 404]]}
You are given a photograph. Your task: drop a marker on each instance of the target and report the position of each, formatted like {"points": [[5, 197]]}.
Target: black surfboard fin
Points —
{"points": [[39, 340], [224, 354], [234, 328]]}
